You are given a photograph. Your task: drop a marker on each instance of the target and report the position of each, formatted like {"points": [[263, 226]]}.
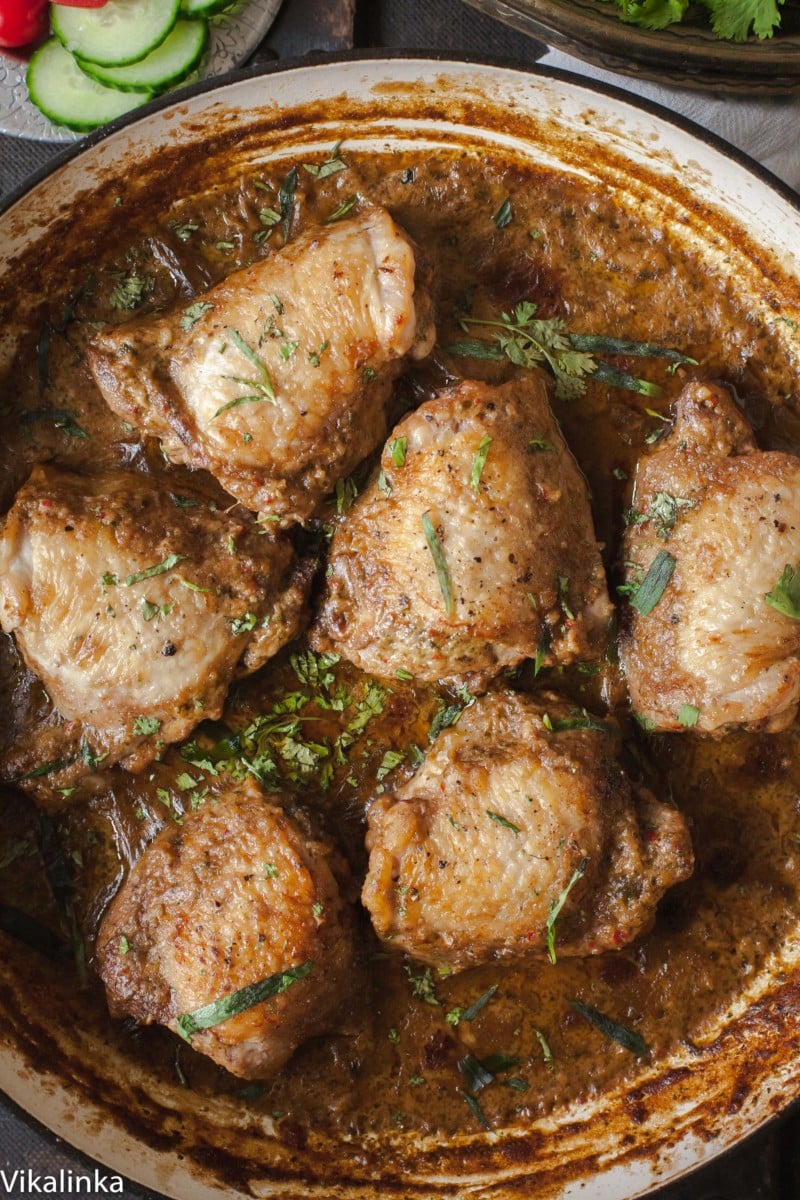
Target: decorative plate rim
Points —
{"points": [[684, 55]]}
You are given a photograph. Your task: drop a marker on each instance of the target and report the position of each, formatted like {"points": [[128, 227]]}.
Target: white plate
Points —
{"points": [[235, 34]]}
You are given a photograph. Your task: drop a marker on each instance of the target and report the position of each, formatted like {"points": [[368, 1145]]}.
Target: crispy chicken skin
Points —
{"points": [[136, 607], [469, 858], [515, 535], [276, 380], [713, 653], [240, 892]]}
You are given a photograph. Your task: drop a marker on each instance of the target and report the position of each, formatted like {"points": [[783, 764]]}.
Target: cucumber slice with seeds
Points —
{"points": [[121, 32], [168, 64], [59, 88]]}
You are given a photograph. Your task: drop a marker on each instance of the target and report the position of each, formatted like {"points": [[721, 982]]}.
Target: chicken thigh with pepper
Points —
{"points": [[712, 554]]}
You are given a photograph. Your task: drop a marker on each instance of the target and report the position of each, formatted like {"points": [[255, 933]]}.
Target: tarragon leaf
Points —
{"points": [[440, 562], [237, 1002], [651, 589], [785, 596], [618, 1033], [556, 907]]}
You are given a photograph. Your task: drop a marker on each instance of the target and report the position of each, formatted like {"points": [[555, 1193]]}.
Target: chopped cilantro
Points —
{"points": [[397, 450], [130, 290], [390, 760], [144, 726], [422, 986], [664, 511]]}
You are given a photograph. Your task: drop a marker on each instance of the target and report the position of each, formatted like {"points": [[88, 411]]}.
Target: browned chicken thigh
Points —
{"points": [[520, 836], [276, 380], [241, 896], [472, 549], [711, 558], [136, 607]]}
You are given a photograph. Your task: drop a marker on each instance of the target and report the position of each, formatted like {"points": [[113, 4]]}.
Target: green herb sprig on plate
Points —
{"points": [[529, 341]]}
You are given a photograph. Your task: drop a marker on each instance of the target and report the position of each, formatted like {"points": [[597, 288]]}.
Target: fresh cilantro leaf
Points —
{"points": [[144, 726], [653, 14], [734, 19], [130, 289]]}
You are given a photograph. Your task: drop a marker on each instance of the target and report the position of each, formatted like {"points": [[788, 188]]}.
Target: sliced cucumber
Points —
{"points": [[168, 64], [121, 32], [59, 88], [203, 8]]}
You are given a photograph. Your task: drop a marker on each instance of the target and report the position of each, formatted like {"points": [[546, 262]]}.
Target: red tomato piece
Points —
{"points": [[22, 21]]}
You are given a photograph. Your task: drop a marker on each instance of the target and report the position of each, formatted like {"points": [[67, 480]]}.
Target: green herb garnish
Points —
{"points": [[731, 20], [581, 720], [286, 197], [504, 821], [664, 511], [263, 385], [61, 418], [479, 462], [161, 568], [390, 760], [440, 562], [785, 596], [556, 907], [183, 230], [477, 1006], [332, 165], [245, 624], [344, 208], [237, 1002], [547, 1054], [422, 986], [600, 344], [528, 341], [144, 726], [130, 290], [617, 1033], [688, 715], [397, 450], [651, 589], [504, 214], [475, 1074], [475, 1108]]}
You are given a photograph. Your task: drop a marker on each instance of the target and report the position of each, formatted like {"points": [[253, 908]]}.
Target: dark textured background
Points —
{"points": [[767, 1166]]}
